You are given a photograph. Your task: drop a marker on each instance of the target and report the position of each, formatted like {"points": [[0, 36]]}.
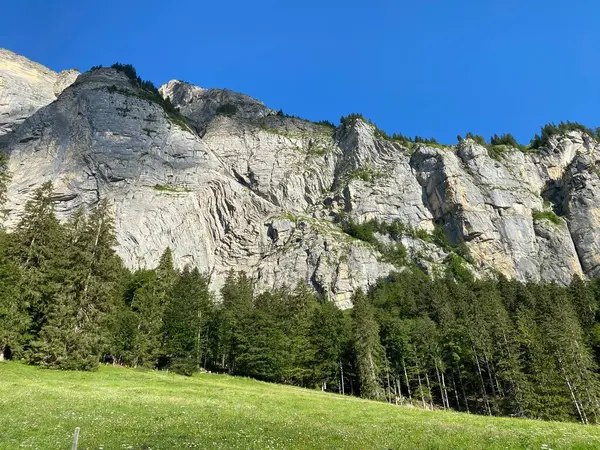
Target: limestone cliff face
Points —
{"points": [[25, 87], [103, 138], [240, 187]]}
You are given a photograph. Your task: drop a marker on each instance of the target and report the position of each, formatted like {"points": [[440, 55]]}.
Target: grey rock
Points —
{"points": [[102, 139], [25, 87], [200, 105]]}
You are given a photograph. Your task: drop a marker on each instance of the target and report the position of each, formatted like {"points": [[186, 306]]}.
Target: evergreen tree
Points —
{"points": [[326, 340], [262, 347], [38, 247], [74, 334], [185, 322], [369, 352], [150, 299], [14, 319], [236, 307]]}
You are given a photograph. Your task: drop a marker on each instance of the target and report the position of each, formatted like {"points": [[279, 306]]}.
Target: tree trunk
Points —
{"points": [[399, 390], [445, 391], [455, 394], [429, 389], [578, 406], [421, 390], [484, 392], [406, 377], [439, 380], [389, 391], [462, 387], [198, 338], [487, 363], [342, 375]]}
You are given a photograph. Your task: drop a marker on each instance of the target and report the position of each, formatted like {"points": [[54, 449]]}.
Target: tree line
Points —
{"points": [[496, 347]]}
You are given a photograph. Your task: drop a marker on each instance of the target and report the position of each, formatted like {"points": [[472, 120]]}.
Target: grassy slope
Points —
{"points": [[123, 408]]}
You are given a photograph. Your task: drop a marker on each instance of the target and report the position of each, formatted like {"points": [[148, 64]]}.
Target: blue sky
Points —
{"points": [[428, 68]]}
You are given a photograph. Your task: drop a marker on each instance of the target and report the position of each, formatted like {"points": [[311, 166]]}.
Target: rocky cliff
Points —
{"points": [[25, 87], [234, 185]]}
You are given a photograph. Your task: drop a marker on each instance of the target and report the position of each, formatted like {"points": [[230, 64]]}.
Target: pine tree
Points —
{"points": [[38, 247], [295, 319], [369, 352], [149, 302], [236, 307], [14, 319], [74, 334], [326, 340], [185, 322]]}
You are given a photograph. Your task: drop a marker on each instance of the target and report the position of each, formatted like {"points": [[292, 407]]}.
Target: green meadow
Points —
{"points": [[118, 408]]}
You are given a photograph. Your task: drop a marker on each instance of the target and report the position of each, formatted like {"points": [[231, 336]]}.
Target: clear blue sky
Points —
{"points": [[429, 68]]}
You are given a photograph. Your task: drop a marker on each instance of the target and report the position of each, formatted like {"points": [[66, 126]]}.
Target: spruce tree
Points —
{"points": [[14, 319], [38, 247], [236, 307], [149, 302], [74, 334], [326, 340], [185, 322], [367, 345]]}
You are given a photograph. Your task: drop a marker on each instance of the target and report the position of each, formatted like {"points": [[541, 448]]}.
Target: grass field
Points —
{"points": [[128, 409]]}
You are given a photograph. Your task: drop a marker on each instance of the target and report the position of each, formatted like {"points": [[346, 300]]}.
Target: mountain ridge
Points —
{"points": [[283, 199]]}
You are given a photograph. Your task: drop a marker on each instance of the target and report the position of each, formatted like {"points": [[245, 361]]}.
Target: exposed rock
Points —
{"points": [[201, 105], [102, 138], [25, 87], [246, 189]]}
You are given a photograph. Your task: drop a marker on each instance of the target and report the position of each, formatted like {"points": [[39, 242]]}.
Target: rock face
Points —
{"points": [[25, 87], [241, 187]]}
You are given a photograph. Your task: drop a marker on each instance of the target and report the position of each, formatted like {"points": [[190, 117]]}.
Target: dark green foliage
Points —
{"points": [[14, 319], [128, 70], [327, 337], [395, 253], [363, 231], [326, 123], [478, 139], [551, 129], [504, 139], [368, 348], [491, 347], [420, 140], [351, 118], [148, 294], [75, 320], [227, 109], [186, 320], [382, 134]]}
